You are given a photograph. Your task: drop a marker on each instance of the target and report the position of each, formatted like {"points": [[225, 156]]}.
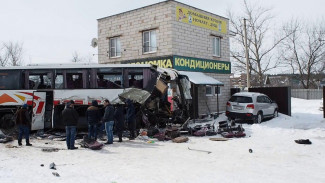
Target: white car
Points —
{"points": [[251, 106]]}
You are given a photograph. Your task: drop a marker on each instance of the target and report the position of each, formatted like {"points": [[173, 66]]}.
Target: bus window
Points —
{"points": [[59, 81], [74, 80], [110, 78], [135, 77], [9, 80], [40, 80]]}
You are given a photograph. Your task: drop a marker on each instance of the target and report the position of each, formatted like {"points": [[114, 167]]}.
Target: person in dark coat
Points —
{"points": [[119, 120], [70, 119], [23, 121], [130, 118], [108, 120], [93, 116]]}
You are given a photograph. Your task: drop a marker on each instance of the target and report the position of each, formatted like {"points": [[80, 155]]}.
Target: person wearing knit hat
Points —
{"points": [[70, 119], [23, 121], [93, 115]]}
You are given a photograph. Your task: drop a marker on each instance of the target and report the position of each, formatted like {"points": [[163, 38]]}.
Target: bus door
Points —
{"points": [[39, 99]]}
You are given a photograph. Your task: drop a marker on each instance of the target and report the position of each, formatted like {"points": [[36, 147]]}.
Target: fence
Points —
{"points": [[307, 93], [281, 95]]}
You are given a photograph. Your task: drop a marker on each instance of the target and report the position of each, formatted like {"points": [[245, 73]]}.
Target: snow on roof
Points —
{"points": [[247, 94], [200, 78], [77, 65]]}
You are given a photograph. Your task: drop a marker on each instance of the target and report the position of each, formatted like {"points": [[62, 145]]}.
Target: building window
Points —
{"points": [[216, 46], [208, 90], [149, 41], [217, 91], [114, 47]]}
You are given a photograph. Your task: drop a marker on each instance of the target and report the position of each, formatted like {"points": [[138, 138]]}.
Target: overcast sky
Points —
{"points": [[51, 31]]}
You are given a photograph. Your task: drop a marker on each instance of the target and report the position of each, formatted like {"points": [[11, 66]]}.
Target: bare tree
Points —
{"points": [[259, 46], [13, 53], [3, 57], [304, 51], [76, 57]]}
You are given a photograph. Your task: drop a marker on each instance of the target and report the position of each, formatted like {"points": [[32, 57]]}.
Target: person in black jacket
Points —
{"points": [[93, 116], [108, 120], [119, 120], [23, 121], [70, 118], [130, 118]]}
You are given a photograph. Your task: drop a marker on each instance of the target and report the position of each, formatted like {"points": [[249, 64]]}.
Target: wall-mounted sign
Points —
{"points": [[201, 65], [201, 20], [186, 64], [164, 62]]}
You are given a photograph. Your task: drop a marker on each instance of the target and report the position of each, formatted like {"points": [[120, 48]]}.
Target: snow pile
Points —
{"points": [[275, 156]]}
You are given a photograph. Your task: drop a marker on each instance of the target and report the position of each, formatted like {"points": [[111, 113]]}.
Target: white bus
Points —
{"points": [[48, 87]]}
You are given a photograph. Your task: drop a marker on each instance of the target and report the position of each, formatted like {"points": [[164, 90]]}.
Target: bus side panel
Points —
{"points": [[15, 97], [39, 100], [82, 99]]}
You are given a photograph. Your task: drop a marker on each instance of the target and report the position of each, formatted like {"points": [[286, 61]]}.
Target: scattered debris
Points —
{"points": [[219, 139], [199, 150], [250, 150], [180, 139], [59, 139], [11, 146], [90, 143], [51, 149], [5, 138], [303, 141], [172, 132], [227, 134], [53, 166], [42, 165], [56, 174], [160, 136]]}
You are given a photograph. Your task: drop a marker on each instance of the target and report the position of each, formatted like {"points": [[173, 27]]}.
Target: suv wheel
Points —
{"points": [[276, 113], [258, 118]]}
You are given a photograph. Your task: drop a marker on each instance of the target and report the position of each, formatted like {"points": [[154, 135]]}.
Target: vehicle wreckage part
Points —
{"points": [[199, 150]]}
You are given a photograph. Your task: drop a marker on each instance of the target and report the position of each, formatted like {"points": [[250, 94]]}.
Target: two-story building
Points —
{"points": [[173, 35]]}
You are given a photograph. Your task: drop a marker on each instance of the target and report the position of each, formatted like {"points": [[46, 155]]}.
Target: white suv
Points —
{"points": [[251, 106]]}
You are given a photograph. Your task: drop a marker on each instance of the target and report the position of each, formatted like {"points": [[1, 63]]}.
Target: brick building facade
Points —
{"points": [[171, 34]]}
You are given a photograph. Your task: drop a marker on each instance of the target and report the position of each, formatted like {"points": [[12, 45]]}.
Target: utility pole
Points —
{"points": [[246, 54]]}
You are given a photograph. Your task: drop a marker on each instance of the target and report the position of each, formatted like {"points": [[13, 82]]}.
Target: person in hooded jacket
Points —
{"points": [[70, 119], [130, 118], [93, 116], [119, 120], [23, 121], [108, 120]]}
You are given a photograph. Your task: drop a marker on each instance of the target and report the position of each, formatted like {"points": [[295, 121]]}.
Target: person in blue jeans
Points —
{"points": [[93, 116], [23, 121], [108, 119], [70, 118]]}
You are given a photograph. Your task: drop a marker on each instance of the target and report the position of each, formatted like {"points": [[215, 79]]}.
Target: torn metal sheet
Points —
{"points": [[135, 94]]}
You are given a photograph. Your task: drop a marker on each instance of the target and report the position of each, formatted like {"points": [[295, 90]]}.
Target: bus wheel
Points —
{"points": [[7, 121]]}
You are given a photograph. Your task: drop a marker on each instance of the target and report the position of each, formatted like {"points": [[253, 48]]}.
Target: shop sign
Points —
{"points": [[201, 65], [164, 62], [201, 20]]}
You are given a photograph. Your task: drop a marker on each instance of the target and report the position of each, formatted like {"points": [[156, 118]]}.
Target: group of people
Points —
{"points": [[96, 118]]}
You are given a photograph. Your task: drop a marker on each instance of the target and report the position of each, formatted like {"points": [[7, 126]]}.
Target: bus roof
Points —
{"points": [[77, 65]]}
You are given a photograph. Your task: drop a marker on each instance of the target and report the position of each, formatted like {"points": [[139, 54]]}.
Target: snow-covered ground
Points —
{"points": [[275, 157]]}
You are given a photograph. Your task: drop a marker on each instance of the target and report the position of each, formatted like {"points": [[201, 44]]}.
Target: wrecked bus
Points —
{"points": [[46, 89]]}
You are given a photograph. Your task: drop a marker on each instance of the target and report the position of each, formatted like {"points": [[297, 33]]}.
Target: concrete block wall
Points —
{"points": [[209, 103], [129, 26], [173, 38]]}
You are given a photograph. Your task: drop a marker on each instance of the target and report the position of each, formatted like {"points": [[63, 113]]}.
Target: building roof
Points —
{"points": [[200, 78], [76, 66], [167, 1]]}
